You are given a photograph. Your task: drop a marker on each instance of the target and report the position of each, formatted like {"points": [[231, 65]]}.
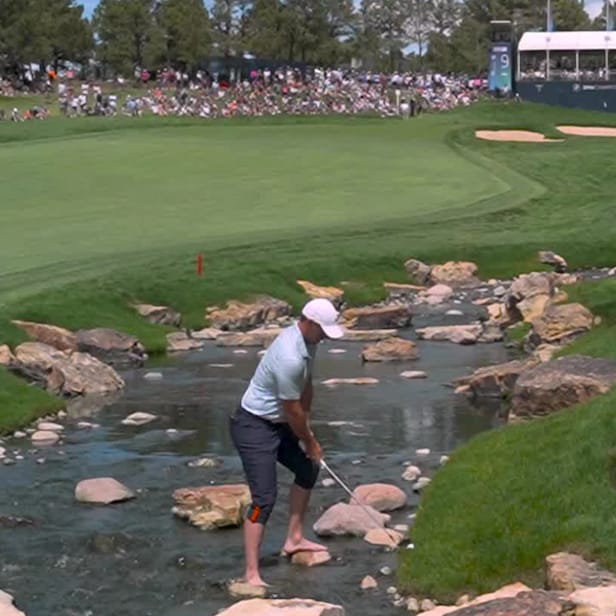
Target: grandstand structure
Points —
{"points": [[573, 69]]}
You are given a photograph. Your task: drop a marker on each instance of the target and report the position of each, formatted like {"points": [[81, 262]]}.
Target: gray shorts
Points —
{"points": [[261, 444]]}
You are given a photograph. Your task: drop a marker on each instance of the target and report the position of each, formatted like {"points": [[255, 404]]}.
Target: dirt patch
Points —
{"points": [[588, 131], [525, 136]]}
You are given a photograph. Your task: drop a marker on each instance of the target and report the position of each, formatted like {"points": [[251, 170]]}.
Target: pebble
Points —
{"points": [[240, 352], [427, 605], [46, 437], [2, 452], [8, 462], [171, 431], [413, 374], [500, 291], [220, 365], [138, 419], [412, 605], [20, 457], [328, 482], [336, 351], [153, 376], [454, 313], [444, 460], [411, 473], [262, 352], [401, 528], [421, 483], [86, 424], [49, 426], [40, 460], [392, 590], [203, 463], [19, 434], [368, 583], [62, 414], [612, 272], [422, 452], [385, 570], [356, 462]]}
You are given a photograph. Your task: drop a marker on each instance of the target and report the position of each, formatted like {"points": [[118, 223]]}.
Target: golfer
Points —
{"points": [[274, 417]]}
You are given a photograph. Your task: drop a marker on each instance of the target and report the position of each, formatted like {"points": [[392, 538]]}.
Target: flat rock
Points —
{"points": [[207, 333], [413, 374], [458, 334], [333, 294], [50, 426], [138, 419], [363, 380], [595, 601], [561, 323], [380, 496], [178, 342], [283, 607], [45, 437], [103, 491], [212, 507], [159, 315], [569, 572], [561, 383], [311, 559], [259, 337], [57, 337], [381, 536], [368, 335], [344, 519], [378, 317], [390, 349], [239, 316], [241, 590]]}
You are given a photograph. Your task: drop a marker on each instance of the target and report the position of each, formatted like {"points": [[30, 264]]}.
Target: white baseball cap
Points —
{"points": [[323, 313]]}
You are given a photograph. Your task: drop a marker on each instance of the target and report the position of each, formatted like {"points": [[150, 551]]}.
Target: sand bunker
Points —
{"points": [[588, 131], [525, 136]]}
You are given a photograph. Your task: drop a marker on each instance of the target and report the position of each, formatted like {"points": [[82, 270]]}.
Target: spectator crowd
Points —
{"points": [[264, 93]]}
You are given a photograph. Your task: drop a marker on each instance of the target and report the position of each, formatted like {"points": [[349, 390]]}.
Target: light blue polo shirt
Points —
{"points": [[282, 374]]}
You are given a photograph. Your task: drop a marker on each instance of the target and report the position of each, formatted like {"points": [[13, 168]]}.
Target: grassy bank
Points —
{"points": [[510, 497]]}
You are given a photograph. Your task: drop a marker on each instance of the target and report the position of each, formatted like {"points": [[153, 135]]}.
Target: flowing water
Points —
{"points": [[137, 559]]}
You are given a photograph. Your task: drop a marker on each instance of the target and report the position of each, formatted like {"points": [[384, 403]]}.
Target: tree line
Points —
{"points": [[124, 35]]}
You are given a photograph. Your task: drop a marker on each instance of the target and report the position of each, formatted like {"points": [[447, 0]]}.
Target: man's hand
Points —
{"points": [[313, 450]]}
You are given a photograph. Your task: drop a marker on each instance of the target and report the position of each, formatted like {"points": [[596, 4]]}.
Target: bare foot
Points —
{"points": [[291, 547], [255, 580]]}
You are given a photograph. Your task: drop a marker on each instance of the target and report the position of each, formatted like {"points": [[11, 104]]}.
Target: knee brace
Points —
{"points": [[259, 514]]}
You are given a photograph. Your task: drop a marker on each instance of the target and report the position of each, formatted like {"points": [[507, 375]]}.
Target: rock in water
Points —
{"points": [[368, 583], [240, 589], [212, 506], [390, 349], [380, 496], [459, 334], [311, 559], [138, 419], [413, 374], [382, 536], [283, 607], [343, 519], [102, 491], [363, 380], [45, 437], [50, 426], [378, 317], [6, 605], [178, 342], [111, 347]]}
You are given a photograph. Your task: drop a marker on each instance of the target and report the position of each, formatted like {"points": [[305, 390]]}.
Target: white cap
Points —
{"points": [[322, 312]]}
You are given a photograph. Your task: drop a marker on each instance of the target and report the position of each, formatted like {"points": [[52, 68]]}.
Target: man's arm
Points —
{"points": [[306, 398], [298, 422]]}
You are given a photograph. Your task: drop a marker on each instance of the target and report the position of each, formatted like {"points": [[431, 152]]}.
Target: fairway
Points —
{"points": [[70, 200]]}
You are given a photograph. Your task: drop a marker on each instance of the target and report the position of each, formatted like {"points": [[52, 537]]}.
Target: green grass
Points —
{"points": [[509, 498]]}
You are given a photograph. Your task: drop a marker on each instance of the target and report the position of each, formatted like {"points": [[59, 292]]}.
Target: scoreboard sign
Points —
{"points": [[501, 68]]}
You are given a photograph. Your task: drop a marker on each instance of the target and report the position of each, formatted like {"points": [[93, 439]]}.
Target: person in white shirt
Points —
{"points": [[271, 422]]}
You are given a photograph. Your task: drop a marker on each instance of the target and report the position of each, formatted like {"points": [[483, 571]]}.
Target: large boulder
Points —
{"points": [[7, 607], [111, 347], [344, 519], [569, 572], [561, 323], [561, 383], [455, 274], [159, 315], [62, 373], [238, 316], [390, 349], [378, 317], [555, 260], [283, 607], [459, 334], [417, 271], [212, 506], [380, 496], [102, 491], [510, 601], [529, 295], [57, 337], [333, 294], [495, 381]]}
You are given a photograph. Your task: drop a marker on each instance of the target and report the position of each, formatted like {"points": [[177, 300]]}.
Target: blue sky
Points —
{"points": [[593, 6]]}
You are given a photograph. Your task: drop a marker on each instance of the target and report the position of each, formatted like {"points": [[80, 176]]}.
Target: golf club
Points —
{"points": [[367, 511]]}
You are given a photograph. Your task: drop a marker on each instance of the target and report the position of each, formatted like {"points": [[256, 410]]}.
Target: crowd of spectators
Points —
{"points": [[264, 93]]}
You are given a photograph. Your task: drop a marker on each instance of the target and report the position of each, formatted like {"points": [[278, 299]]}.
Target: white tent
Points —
{"points": [[600, 40]]}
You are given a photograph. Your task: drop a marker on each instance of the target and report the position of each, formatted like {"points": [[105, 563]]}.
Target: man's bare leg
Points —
{"points": [[253, 537], [298, 504]]}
